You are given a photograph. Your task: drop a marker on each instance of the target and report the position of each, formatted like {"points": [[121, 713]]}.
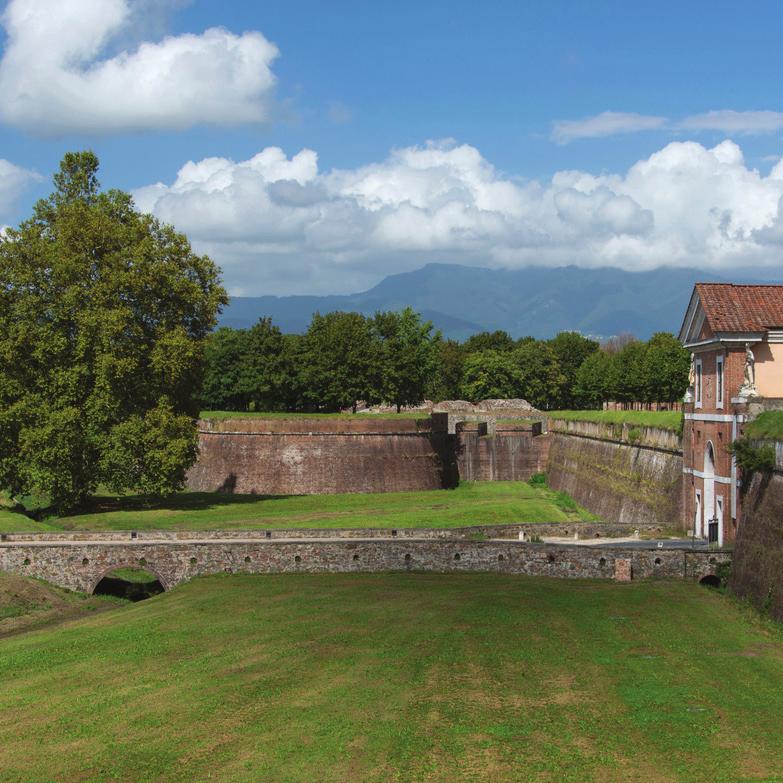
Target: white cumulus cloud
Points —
{"points": [[608, 123], [14, 180], [56, 78], [279, 225]]}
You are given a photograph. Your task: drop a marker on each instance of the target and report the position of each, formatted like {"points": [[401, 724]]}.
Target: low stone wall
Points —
{"points": [[81, 565], [757, 570], [619, 482], [321, 456], [579, 530], [510, 453]]}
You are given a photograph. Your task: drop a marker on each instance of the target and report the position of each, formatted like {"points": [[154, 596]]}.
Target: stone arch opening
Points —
{"points": [[132, 581], [710, 580]]}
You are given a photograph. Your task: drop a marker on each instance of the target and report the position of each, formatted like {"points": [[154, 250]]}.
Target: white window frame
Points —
{"points": [[720, 380], [698, 382]]}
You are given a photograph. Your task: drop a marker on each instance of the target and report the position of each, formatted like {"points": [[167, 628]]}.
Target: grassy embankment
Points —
{"points": [[766, 426], [472, 503], [30, 603], [665, 420], [399, 677]]}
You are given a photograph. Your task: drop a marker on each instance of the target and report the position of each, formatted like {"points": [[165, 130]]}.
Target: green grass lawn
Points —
{"points": [[472, 503], [399, 677], [766, 426], [666, 420]]}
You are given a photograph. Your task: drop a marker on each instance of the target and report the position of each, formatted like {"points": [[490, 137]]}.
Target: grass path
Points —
{"points": [[399, 677], [472, 503]]}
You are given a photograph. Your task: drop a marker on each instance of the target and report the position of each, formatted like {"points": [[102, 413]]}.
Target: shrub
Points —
{"points": [[537, 480], [753, 459], [634, 435]]}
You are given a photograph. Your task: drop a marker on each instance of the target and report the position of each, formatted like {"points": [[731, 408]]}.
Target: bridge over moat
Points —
{"points": [[80, 562]]}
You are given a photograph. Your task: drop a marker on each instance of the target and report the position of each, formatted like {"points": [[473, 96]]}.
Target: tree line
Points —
{"points": [[399, 359]]}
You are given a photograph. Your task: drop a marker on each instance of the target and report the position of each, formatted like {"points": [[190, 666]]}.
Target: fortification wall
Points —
{"points": [[621, 482], [321, 456], [757, 569], [81, 565], [511, 453]]}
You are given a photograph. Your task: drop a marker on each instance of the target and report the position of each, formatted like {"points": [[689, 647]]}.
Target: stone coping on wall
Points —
{"points": [[622, 433], [315, 426], [578, 530]]}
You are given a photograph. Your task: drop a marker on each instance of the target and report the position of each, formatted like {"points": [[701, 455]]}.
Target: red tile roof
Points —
{"points": [[741, 308]]}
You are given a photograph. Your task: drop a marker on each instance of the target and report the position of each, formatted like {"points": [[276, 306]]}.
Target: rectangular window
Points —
{"points": [[719, 382], [697, 390]]}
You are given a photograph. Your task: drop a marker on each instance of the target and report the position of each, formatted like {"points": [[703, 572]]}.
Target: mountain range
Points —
{"points": [[537, 301]]}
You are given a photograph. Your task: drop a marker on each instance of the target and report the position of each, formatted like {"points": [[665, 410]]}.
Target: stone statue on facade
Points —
{"points": [[691, 380], [749, 382]]}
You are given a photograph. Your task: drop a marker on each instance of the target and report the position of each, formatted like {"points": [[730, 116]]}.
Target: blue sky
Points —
{"points": [[527, 176]]}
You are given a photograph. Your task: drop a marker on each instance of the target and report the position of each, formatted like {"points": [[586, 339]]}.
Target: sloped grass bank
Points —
{"points": [[766, 426], [665, 420], [472, 503], [404, 677]]}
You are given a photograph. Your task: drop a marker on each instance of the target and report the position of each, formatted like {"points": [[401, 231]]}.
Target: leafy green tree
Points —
{"points": [[340, 362], [595, 380], [103, 316], [408, 356], [446, 380], [223, 353], [490, 375], [628, 373], [488, 341], [541, 379], [571, 349], [665, 368]]}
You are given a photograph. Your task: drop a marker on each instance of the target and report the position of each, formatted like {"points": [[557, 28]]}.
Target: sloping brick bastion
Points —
{"points": [[79, 564], [757, 572]]}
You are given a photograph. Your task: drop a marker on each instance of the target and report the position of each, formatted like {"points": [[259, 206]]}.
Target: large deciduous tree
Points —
{"points": [[103, 316], [340, 361], [408, 356]]}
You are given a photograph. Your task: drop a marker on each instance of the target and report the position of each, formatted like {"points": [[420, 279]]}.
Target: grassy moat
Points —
{"points": [[472, 503], [398, 677]]}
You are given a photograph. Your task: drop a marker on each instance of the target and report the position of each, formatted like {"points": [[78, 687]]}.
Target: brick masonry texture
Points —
{"points": [[321, 456], [311, 456], [621, 483], [512, 453], [757, 570], [81, 565]]}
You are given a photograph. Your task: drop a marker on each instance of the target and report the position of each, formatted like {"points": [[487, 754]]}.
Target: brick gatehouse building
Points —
{"points": [[735, 335]]}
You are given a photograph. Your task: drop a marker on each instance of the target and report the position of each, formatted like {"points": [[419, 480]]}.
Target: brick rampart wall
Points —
{"points": [[512, 453], [757, 572], [321, 456], [619, 482], [80, 566]]}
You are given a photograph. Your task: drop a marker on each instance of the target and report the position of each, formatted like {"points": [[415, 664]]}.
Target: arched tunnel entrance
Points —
{"points": [[132, 584]]}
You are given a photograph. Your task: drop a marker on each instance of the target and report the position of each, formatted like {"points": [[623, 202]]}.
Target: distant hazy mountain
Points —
{"points": [[538, 301]]}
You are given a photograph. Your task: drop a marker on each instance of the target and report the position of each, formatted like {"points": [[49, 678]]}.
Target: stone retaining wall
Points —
{"points": [[80, 566]]}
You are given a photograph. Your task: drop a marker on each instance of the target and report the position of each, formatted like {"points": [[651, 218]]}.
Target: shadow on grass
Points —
{"points": [[183, 501]]}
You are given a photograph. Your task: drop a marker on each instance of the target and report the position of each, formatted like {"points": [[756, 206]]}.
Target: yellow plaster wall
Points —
{"points": [[769, 369]]}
